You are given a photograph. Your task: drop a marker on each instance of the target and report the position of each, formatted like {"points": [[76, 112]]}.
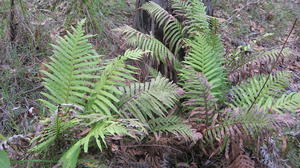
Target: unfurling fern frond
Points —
{"points": [[170, 124], [148, 100], [147, 43], [245, 93], [73, 66], [202, 58], [171, 26]]}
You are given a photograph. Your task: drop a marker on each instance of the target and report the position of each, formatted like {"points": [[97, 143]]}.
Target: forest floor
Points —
{"points": [[247, 27]]}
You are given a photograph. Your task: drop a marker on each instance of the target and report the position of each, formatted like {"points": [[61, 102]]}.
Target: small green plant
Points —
{"points": [[84, 93]]}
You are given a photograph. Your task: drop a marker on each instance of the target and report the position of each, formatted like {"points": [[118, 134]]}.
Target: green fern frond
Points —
{"points": [[78, 81], [44, 145], [70, 157], [72, 67], [198, 97], [171, 26], [147, 43], [59, 124], [104, 93], [269, 57], [196, 19], [148, 100], [245, 93], [214, 39], [170, 124], [286, 102], [262, 60], [179, 7], [203, 58], [98, 132]]}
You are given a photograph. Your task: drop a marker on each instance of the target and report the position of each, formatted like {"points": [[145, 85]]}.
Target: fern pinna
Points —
{"points": [[85, 93]]}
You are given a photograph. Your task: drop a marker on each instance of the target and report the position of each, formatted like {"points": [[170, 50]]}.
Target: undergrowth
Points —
{"points": [[211, 108]]}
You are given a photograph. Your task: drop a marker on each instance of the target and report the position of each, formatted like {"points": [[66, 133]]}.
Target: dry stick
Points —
{"points": [[272, 67]]}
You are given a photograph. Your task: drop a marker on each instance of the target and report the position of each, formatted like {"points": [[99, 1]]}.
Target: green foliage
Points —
{"points": [[196, 19], [203, 58], [203, 46], [98, 132], [77, 84], [101, 130], [286, 102], [204, 80], [170, 124], [149, 103], [70, 157], [148, 100], [241, 65], [84, 93], [105, 91], [72, 66], [147, 43], [198, 97], [4, 160], [269, 57], [171, 26], [97, 99], [59, 125], [272, 96]]}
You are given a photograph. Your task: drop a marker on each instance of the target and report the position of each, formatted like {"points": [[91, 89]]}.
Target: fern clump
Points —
{"points": [[93, 99], [83, 93], [225, 114]]}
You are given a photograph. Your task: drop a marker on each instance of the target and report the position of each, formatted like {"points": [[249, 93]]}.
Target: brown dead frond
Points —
{"points": [[242, 161]]}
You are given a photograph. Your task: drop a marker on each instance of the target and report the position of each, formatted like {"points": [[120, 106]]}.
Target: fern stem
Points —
{"points": [[274, 64]]}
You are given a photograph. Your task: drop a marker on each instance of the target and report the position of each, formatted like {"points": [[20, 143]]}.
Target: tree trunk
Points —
{"points": [[12, 23]]}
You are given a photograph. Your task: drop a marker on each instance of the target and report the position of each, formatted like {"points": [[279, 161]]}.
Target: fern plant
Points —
{"points": [[192, 34], [83, 93], [227, 112]]}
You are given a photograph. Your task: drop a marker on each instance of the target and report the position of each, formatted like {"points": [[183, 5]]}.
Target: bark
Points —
{"points": [[12, 23]]}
